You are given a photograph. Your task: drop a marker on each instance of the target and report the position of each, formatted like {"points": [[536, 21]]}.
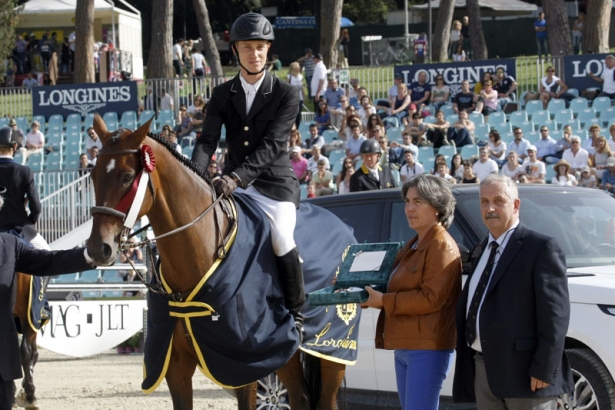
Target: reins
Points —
{"points": [[129, 207]]}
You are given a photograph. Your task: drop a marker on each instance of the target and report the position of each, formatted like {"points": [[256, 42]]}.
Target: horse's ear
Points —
{"points": [[137, 137], [100, 128]]}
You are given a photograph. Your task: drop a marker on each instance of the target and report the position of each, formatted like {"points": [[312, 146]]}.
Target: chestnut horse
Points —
{"points": [[28, 351], [176, 196]]}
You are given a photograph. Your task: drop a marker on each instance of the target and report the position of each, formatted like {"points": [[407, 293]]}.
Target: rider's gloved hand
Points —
{"points": [[224, 186]]}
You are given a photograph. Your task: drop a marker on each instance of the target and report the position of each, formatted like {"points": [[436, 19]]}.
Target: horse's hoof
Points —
{"points": [[21, 401]]}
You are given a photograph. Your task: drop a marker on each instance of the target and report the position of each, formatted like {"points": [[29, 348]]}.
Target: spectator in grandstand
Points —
{"points": [[542, 36], [197, 120], [607, 78], [505, 85], [577, 157], [319, 78], [586, 179], [512, 169], [339, 112], [372, 121], [354, 89], [315, 138], [591, 143], [519, 144], [465, 99], [322, 178], [197, 105], [564, 142], [437, 131], [84, 164], [35, 142], [29, 82], [17, 134], [552, 86], [334, 93], [400, 103], [341, 176], [408, 118], [485, 165], [294, 140], [547, 147], [577, 32], [345, 132], [213, 170], [307, 64], [371, 175], [367, 110], [391, 157], [455, 39], [344, 185], [420, 91], [487, 76], [443, 172], [418, 129], [611, 141], [323, 117], [600, 156], [299, 165], [353, 144], [465, 34], [534, 168], [456, 169], [437, 160], [93, 155], [487, 100], [411, 167], [496, 147], [406, 145], [563, 175], [608, 178], [92, 141], [166, 101], [391, 95], [184, 123], [461, 131], [439, 93], [458, 53], [315, 158], [469, 177]]}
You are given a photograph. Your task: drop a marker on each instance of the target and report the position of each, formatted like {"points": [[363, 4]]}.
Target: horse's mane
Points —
{"points": [[185, 161]]}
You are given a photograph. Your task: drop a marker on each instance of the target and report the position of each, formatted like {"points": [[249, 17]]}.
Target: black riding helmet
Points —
{"points": [[370, 146], [251, 26], [6, 134]]}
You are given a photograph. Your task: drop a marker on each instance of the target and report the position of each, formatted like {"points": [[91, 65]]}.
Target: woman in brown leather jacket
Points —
{"points": [[417, 317]]}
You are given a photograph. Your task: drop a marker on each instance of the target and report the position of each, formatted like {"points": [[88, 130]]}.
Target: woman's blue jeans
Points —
{"points": [[420, 374]]}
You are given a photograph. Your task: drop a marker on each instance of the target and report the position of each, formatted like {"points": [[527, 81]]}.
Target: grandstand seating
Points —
{"points": [[329, 136], [477, 118], [468, 151], [562, 116], [586, 115], [578, 104], [129, 120], [481, 131], [447, 150], [532, 106], [394, 134], [518, 117], [601, 103], [555, 105], [425, 153], [540, 117]]}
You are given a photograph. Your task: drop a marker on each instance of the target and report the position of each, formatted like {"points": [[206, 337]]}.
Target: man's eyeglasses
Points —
{"points": [[550, 71], [182, 109], [518, 133], [544, 130]]}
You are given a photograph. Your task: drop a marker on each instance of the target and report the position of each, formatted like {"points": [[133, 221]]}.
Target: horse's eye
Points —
{"points": [[127, 178]]}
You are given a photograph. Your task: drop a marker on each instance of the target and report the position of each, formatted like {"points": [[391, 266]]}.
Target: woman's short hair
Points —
{"points": [[436, 192], [36, 123], [496, 135]]}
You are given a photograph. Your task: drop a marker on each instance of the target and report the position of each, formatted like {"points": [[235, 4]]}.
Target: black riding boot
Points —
{"points": [[291, 278]]}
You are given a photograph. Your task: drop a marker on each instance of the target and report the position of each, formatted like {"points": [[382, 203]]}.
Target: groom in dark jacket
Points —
{"points": [[513, 312]]}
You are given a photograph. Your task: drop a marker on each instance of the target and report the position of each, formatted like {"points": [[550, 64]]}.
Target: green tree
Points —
{"points": [[84, 46], [597, 25], [368, 11], [442, 34], [8, 21], [160, 61]]}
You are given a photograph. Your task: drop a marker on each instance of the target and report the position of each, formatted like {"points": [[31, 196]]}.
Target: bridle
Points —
{"points": [[128, 209]]}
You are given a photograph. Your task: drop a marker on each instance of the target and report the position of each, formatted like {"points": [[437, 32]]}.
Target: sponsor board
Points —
{"points": [[577, 68], [86, 328], [456, 72], [84, 99]]}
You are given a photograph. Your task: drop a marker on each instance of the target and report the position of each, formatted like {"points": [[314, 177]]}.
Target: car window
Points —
{"points": [[584, 224], [400, 231], [364, 218]]}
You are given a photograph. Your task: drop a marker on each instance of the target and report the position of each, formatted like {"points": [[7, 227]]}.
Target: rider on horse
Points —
{"points": [[258, 111]]}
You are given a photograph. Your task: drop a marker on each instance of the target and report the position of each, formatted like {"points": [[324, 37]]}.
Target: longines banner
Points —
{"points": [[85, 98], [578, 67], [455, 73]]}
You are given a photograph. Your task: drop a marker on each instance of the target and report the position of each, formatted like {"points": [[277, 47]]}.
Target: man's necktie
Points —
{"points": [[471, 322]]}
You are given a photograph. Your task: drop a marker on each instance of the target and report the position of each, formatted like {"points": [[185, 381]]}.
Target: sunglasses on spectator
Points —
{"points": [[544, 130], [574, 142], [550, 71], [518, 133]]}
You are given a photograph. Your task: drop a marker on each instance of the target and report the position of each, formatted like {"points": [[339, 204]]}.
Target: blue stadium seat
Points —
{"points": [[527, 126], [390, 122], [477, 118], [552, 124], [578, 104], [517, 117], [573, 91], [575, 124], [4, 122], [187, 151], [496, 118], [606, 115], [587, 115], [502, 127], [532, 106], [550, 173], [35, 162], [88, 121], [540, 117], [22, 123], [425, 153], [481, 132], [452, 118], [129, 120], [53, 161], [304, 129], [507, 137], [304, 192], [601, 103], [111, 121], [447, 150], [556, 104], [73, 119], [396, 176], [55, 120], [336, 155], [468, 151], [532, 137], [447, 109], [329, 136], [394, 134], [430, 119], [564, 115]]}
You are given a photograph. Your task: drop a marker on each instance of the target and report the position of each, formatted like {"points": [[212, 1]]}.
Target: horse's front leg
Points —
{"points": [[246, 396], [181, 370], [29, 357], [291, 375], [332, 375]]}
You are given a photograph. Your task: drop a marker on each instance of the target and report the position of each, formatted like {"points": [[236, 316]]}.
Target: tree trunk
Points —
{"points": [[479, 46], [330, 18], [442, 34], [160, 61], [84, 45], [596, 27], [209, 44], [558, 28]]}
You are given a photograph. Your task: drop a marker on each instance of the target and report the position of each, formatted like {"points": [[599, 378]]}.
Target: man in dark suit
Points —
{"points": [[513, 313], [371, 175], [258, 111], [19, 182], [15, 256], [150, 101]]}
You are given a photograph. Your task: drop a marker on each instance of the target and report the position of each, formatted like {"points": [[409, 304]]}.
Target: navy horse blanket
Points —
{"points": [[236, 316]]}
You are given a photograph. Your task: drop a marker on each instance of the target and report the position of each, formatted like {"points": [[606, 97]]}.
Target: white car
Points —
{"points": [[583, 220]]}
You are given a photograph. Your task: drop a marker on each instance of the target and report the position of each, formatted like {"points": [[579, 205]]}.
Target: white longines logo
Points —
{"points": [[83, 100]]}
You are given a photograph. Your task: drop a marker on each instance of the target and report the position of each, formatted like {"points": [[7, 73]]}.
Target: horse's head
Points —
{"points": [[115, 177]]}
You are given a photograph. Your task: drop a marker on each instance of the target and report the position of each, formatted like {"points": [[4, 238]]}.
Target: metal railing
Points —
{"points": [[48, 182], [530, 70], [15, 102], [66, 209]]}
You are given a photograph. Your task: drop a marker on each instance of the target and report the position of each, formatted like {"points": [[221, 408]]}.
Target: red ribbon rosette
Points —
{"points": [[148, 159]]}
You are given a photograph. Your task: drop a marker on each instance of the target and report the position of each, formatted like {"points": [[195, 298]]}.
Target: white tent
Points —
{"points": [[109, 22], [496, 5]]}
